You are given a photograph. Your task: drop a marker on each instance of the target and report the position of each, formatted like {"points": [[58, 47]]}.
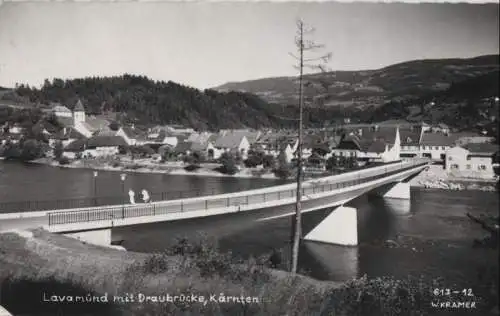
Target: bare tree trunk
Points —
{"points": [[297, 231]]}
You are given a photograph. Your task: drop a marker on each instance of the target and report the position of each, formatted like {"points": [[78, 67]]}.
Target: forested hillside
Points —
{"points": [[145, 101]]}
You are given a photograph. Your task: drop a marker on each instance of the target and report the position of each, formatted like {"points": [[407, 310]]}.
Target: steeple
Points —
{"points": [[79, 112], [79, 106]]}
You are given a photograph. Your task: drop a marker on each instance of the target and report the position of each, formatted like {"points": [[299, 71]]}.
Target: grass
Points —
{"points": [[52, 264]]}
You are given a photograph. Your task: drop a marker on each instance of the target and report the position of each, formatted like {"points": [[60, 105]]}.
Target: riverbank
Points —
{"points": [[37, 264], [435, 177], [147, 166]]}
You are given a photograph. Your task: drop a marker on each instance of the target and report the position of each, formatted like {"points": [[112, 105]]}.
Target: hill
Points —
{"points": [[144, 101], [372, 88], [461, 91], [468, 104]]}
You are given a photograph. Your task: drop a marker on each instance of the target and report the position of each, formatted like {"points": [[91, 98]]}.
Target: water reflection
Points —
{"points": [[21, 182], [397, 206], [339, 263]]}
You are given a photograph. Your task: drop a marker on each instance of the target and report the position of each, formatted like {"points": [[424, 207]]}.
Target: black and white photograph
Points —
{"points": [[227, 158]]}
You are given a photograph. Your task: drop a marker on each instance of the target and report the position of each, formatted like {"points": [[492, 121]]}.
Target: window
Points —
{"points": [[436, 148], [443, 147], [341, 154], [468, 167], [482, 167], [424, 147], [454, 166]]}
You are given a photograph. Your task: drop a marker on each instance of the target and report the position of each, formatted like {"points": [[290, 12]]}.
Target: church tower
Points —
{"points": [[79, 112]]}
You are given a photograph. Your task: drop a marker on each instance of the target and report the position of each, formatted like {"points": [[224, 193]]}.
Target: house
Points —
{"points": [[183, 149], [381, 144], [201, 138], [61, 111], [410, 141], [315, 163], [75, 148], [178, 129], [128, 134], [472, 161], [473, 139], [67, 135], [85, 125], [311, 142], [99, 146], [252, 136], [16, 129], [440, 128], [272, 143], [435, 145], [234, 142], [166, 138]]}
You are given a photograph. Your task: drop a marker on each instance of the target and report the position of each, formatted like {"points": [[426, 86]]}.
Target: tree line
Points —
{"points": [[141, 100]]}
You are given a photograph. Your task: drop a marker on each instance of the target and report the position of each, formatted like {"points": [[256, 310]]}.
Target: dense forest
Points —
{"points": [[139, 100], [144, 101]]}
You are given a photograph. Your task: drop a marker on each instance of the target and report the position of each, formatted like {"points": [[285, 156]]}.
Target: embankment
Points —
{"points": [[435, 177], [39, 269]]}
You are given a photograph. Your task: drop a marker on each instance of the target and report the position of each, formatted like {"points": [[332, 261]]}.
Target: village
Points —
{"points": [[90, 141]]}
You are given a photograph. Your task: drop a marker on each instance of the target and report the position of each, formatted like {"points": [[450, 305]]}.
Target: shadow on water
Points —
{"points": [[327, 261], [378, 221]]}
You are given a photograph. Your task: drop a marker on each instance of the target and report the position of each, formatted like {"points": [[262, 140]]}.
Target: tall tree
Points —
{"points": [[303, 46]]}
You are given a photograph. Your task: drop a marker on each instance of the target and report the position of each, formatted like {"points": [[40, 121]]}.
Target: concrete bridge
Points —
{"points": [[94, 224]]}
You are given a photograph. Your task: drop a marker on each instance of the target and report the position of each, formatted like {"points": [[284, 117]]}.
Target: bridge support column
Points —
{"points": [[100, 237], [340, 227], [399, 190]]}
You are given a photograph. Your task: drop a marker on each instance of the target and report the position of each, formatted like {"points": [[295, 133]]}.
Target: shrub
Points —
{"points": [[331, 163], [58, 150], [282, 172], [269, 161], [253, 161], [228, 164], [31, 149], [122, 150], [192, 167], [64, 160], [156, 264]]}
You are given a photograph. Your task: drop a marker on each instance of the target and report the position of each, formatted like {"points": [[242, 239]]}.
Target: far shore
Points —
{"points": [[173, 168], [435, 174]]}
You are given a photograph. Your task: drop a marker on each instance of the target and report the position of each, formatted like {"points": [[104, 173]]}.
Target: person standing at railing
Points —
{"points": [[131, 195], [145, 196]]}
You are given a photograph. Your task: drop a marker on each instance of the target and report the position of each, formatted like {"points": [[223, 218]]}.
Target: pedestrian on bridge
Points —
{"points": [[131, 195], [145, 196]]}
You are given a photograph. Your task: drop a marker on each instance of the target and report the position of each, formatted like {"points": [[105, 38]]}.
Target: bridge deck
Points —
{"points": [[283, 194]]}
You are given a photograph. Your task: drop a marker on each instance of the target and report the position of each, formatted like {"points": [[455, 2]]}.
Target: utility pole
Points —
{"points": [[302, 46]]}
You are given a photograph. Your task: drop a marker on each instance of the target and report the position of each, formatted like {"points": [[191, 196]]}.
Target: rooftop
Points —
{"points": [[482, 148], [105, 141], [79, 106]]}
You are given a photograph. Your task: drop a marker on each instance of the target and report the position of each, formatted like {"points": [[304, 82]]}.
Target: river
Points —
{"points": [[432, 235], [36, 182]]}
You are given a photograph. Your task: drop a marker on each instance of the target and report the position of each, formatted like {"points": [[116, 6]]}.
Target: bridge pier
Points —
{"points": [[340, 227], [398, 190]]}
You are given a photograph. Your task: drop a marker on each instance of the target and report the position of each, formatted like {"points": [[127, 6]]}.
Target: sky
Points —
{"points": [[205, 44]]}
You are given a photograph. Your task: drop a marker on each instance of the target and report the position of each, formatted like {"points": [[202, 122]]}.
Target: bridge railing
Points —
{"points": [[47, 205], [162, 208], [88, 202]]}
